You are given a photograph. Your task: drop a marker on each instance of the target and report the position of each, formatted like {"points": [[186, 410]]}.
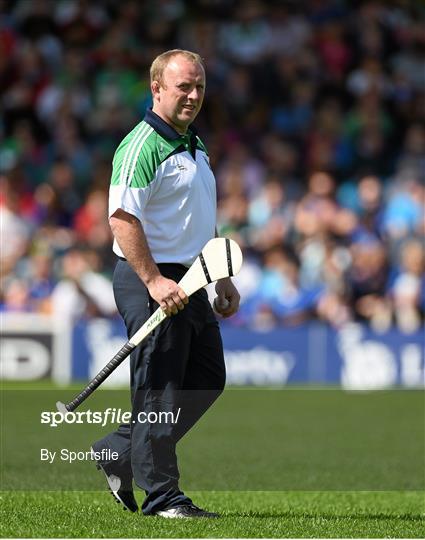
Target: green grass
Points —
{"points": [[273, 463], [243, 515]]}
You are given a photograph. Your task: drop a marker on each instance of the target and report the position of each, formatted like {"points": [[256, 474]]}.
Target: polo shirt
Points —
{"points": [[164, 179]]}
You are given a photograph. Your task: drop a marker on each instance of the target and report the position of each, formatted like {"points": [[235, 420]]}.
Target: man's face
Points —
{"points": [[179, 97]]}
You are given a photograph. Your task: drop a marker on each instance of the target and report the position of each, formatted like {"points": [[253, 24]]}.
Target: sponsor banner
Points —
{"points": [[355, 357], [374, 361], [94, 343], [34, 347]]}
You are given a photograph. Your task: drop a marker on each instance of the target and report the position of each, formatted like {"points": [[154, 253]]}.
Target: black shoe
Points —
{"points": [[122, 495], [186, 511]]}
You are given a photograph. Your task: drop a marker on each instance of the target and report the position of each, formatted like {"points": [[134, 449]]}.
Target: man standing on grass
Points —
{"points": [[162, 210]]}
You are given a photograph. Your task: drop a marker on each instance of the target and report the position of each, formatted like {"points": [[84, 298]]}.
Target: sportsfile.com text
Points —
{"points": [[108, 416]]}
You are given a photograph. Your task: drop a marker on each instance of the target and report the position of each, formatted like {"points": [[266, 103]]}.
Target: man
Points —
{"points": [[162, 211]]}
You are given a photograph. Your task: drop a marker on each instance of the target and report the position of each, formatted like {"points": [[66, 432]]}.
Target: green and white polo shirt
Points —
{"points": [[165, 180]]}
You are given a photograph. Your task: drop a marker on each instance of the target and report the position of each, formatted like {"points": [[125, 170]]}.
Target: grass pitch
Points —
{"points": [[274, 463], [244, 515]]}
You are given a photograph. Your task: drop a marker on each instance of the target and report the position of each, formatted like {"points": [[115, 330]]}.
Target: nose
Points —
{"points": [[194, 94]]}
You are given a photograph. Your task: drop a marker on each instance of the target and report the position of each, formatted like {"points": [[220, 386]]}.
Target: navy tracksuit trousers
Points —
{"points": [[179, 365]]}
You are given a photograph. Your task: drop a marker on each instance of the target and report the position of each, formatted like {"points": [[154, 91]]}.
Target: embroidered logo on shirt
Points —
{"points": [[182, 167]]}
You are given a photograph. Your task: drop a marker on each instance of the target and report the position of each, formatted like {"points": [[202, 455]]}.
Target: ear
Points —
{"points": [[155, 89]]}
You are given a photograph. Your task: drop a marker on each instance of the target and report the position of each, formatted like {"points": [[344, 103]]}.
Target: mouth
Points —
{"points": [[189, 107]]}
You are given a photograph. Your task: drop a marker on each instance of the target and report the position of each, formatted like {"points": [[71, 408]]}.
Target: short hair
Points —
{"points": [[161, 62]]}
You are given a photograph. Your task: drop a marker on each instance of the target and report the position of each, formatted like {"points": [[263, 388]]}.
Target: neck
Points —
{"points": [[180, 129]]}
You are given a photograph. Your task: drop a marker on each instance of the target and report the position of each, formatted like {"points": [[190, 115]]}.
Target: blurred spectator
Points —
{"points": [[270, 216], [318, 212], [289, 30], [368, 276], [59, 198], [370, 202], [280, 295], [408, 288], [369, 128], [412, 156], [91, 221], [15, 232], [82, 291], [232, 218], [369, 77], [333, 49], [240, 173], [246, 38], [366, 200], [16, 297], [41, 282], [404, 213]]}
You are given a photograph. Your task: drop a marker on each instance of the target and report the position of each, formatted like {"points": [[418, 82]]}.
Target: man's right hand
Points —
{"points": [[167, 293]]}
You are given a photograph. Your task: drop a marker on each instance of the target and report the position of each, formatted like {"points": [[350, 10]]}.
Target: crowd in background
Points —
{"points": [[314, 121]]}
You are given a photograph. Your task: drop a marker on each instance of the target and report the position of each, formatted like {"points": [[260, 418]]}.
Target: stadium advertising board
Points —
{"points": [[34, 347], [355, 357]]}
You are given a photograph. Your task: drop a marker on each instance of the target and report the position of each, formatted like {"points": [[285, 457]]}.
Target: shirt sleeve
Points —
{"points": [[133, 176], [130, 199]]}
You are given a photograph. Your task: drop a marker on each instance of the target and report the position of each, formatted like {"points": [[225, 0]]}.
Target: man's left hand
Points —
{"points": [[227, 302]]}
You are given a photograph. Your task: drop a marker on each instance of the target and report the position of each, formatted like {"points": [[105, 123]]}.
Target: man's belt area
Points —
{"points": [[177, 266]]}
